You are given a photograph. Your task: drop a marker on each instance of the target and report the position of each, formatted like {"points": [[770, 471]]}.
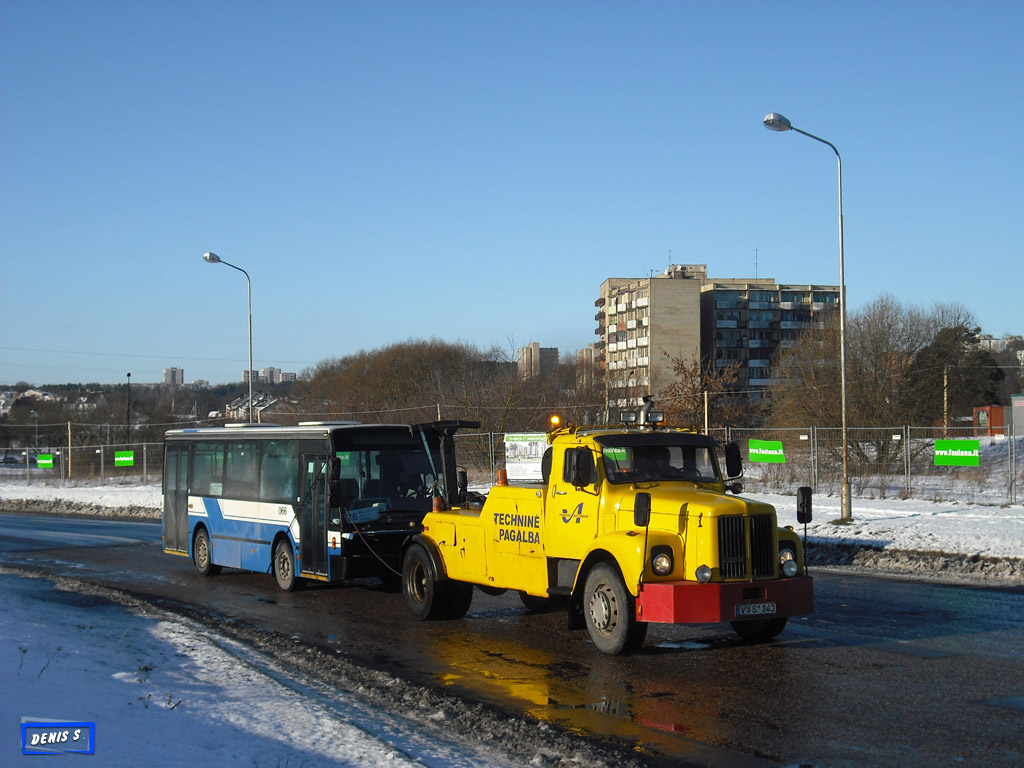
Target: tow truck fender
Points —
{"points": [[436, 561], [615, 549]]}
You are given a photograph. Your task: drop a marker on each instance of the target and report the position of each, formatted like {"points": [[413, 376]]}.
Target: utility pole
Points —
{"points": [[945, 401]]}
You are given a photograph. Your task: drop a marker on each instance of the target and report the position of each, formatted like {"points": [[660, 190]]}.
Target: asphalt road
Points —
{"points": [[886, 672]]}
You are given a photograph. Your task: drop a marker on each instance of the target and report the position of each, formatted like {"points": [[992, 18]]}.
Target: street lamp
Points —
{"points": [[773, 121], [213, 258]]}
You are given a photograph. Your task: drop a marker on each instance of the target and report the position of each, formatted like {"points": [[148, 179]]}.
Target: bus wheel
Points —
{"points": [[284, 566], [201, 555], [759, 630], [610, 613]]}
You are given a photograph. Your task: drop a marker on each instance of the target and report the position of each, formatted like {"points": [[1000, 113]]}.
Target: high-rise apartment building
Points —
{"points": [[646, 324], [746, 322], [174, 376]]}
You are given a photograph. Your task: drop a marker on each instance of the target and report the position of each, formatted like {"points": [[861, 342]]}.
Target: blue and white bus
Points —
{"points": [[326, 501]]}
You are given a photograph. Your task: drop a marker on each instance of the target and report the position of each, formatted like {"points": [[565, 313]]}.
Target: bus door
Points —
{"points": [[313, 515], [176, 499]]}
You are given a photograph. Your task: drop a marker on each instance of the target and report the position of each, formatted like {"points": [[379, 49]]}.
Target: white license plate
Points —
{"points": [[755, 609]]}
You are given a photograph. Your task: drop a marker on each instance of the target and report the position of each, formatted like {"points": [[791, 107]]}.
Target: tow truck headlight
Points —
{"points": [[787, 561], [703, 574], [661, 561]]}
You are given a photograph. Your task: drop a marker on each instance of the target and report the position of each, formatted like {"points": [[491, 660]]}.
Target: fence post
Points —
{"points": [[814, 458], [906, 460]]}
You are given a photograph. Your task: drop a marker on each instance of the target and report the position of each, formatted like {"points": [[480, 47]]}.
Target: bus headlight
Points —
{"points": [[703, 574], [787, 562], [661, 561]]}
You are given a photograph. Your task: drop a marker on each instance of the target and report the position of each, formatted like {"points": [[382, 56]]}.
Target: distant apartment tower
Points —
{"points": [[535, 360], [644, 324], [174, 376], [275, 376]]}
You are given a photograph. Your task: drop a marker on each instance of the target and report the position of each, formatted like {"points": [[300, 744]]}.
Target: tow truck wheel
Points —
{"points": [[201, 554], [759, 630], [610, 612], [458, 597], [419, 585], [284, 566]]}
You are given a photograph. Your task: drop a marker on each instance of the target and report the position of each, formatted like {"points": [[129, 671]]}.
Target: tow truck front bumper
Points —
{"points": [[689, 602]]}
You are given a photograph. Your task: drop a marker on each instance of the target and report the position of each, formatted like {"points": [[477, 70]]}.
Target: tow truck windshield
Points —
{"points": [[630, 458]]}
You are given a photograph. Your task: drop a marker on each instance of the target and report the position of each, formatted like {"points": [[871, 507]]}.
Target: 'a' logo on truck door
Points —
{"points": [[577, 513]]}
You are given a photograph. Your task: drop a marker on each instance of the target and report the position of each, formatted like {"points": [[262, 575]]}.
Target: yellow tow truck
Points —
{"points": [[631, 525]]}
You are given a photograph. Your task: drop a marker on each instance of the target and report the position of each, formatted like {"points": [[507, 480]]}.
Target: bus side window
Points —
{"points": [[208, 473], [241, 469], [278, 479]]}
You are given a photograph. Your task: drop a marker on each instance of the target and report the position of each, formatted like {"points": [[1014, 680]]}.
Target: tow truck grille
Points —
{"points": [[732, 546]]}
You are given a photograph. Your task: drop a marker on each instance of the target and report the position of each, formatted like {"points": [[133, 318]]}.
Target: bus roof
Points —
{"points": [[271, 431]]}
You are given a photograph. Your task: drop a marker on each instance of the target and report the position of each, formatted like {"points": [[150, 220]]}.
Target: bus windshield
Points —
{"points": [[629, 461], [389, 470]]}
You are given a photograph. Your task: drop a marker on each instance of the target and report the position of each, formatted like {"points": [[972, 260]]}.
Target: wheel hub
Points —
{"points": [[600, 610]]}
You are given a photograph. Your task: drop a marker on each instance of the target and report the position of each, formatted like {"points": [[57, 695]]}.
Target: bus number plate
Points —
{"points": [[755, 609]]}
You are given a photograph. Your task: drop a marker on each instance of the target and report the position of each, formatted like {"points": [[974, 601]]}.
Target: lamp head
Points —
{"points": [[213, 258], [773, 121]]}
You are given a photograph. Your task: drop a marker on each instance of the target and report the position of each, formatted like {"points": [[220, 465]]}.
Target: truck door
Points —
{"points": [[313, 516], [572, 504]]}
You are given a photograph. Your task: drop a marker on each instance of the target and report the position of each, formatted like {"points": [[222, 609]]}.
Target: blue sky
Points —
{"points": [[472, 171]]}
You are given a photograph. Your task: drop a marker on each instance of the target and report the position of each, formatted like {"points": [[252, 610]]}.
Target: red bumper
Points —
{"points": [[686, 602]]}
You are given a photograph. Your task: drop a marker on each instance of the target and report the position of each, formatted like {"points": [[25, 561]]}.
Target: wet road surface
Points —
{"points": [[886, 672]]}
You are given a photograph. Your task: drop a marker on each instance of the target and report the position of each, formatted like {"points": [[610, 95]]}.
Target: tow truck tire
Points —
{"points": [[284, 566], [421, 590], [759, 630], [458, 597], [202, 555], [610, 612]]}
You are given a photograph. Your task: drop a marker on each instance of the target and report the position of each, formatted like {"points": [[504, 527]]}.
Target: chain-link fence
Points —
{"points": [[125, 463], [897, 462]]}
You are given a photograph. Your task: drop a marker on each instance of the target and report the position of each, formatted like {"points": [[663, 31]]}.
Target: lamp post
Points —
{"points": [[773, 121], [213, 258]]}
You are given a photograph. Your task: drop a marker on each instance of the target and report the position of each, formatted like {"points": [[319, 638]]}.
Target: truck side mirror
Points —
{"points": [[733, 460], [642, 509], [803, 505], [583, 473]]}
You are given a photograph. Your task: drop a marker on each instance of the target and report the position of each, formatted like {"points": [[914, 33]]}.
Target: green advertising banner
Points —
{"points": [[44, 461], [124, 458], [766, 451], [957, 453]]}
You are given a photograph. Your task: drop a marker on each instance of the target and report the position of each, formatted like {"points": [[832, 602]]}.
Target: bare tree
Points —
{"points": [[698, 386]]}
